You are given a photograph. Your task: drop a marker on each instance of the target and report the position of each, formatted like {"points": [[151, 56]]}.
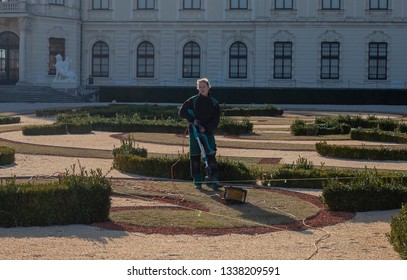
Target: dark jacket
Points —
{"points": [[205, 109]]}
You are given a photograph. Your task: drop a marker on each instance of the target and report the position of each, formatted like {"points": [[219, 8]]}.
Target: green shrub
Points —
{"points": [[9, 119], [388, 124], [7, 155], [322, 126], [81, 198], [130, 147], [300, 127], [303, 174], [398, 233], [368, 191]]}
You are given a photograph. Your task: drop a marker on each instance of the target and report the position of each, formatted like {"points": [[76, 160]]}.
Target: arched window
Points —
{"points": [[238, 61], [145, 60], [100, 59], [9, 58], [191, 60]]}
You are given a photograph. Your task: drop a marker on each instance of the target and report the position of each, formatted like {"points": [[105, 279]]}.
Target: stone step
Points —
{"points": [[37, 94]]}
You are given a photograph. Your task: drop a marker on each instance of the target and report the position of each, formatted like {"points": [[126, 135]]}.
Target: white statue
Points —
{"points": [[62, 67]]}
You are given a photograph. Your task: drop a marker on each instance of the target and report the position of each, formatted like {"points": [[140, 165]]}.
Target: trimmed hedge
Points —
{"points": [[398, 233], [367, 192], [74, 199], [248, 111], [300, 127], [57, 129], [9, 119], [339, 151], [378, 135], [165, 167], [7, 155]]}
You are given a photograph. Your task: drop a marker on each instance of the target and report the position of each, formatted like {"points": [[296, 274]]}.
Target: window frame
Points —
{"points": [[193, 4], [239, 4], [100, 4], [147, 56], [100, 57], [378, 62], [56, 2], [241, 68], [189, 58], [379, 5], [281, 74], [146, 5], [285, 5], [331, 57], [329, 5]]}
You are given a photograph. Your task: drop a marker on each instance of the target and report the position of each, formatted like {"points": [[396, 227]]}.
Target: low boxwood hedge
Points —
{"points": [[73, 199], [7, 155], [398, 232], [9, 119], [300, 127], [250, 111], [342, 151], [368, 191], [179, 168], [378, 135], [57, 129]]}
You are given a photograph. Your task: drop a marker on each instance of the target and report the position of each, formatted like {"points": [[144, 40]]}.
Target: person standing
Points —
{"points": [[202, 110]]}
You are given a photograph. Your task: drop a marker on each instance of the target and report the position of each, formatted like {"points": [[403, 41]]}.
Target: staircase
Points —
{"points": [[39, 94]]}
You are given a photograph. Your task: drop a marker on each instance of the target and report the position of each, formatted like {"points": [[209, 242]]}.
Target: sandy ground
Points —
{"points": [[361, 238]]}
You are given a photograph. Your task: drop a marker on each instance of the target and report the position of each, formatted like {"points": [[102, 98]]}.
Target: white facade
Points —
{"points": [[104, 38]]}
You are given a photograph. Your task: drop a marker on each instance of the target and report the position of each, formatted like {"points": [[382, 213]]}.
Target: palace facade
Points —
{"points": [[235, 43]]}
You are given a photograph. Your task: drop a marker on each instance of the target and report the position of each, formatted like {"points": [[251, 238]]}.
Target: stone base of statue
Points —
{"points": [[68, 86]]}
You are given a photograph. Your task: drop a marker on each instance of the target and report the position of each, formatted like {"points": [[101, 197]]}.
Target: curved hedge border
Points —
{"points": [[9, 119], [269, 110], [398, 233], [339, 151], [7, 155], [74, 199], [161, 167]]}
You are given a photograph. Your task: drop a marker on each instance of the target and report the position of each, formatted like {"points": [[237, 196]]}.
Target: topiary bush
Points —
{"points": [[398, 232], [129, 146], [7, 155], [248, 111], [378, 135]]}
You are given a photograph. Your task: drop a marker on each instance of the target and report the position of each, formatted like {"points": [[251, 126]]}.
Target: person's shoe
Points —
{"points": [[214, 185], [198, 186]]}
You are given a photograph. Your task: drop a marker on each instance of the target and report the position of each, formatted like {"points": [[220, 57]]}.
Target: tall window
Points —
{"points": [[100, 59], [378, 4], [191, 60], [329, 60], [378, 61], [100, 4], [145, 4], [283, 60], [192, 4], [56, 2], [56, 46], [238, 4], [283, 4], [238, 61], [331, 4], [145, 60]]}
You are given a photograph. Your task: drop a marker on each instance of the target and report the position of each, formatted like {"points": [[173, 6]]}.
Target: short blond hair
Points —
{"points": [[205, 80]]}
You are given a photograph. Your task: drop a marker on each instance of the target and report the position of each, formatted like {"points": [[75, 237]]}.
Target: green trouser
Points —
{"points": [[195, 158]]}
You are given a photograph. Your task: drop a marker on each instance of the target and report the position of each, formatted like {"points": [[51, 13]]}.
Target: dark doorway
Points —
{"points": [[9, 58]]}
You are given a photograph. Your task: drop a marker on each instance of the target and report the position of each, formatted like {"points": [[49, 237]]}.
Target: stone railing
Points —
{"points": [[13, 7]]}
